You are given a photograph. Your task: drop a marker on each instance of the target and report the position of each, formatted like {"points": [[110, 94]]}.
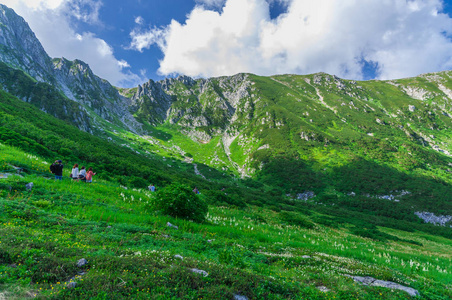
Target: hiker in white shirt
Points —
{"points": [[74, 173]]}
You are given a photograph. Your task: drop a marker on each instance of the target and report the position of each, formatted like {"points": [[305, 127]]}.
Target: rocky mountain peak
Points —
{"points": [[20, 47], [167, 83]]}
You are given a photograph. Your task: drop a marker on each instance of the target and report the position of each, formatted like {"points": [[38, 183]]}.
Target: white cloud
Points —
{"points": [[211, 3], [84, 10], [34, 4], [405, 38], [139, 20], [52, 22], [123, 64], [144, 40]]}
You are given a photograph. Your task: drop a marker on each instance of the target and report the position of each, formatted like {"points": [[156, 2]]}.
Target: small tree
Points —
{"points": [[179, 201]]}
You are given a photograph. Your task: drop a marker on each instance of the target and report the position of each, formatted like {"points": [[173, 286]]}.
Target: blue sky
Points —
{"points": [[119, 21], [129, 42]]}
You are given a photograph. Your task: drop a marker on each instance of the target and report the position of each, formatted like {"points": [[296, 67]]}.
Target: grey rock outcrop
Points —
{"points": [[171, 225], [78, 82], [433, 219], [82, 262], [201, 108], [323, 289], [29, 186], [306, 195], [370, 281], [202, 272]]}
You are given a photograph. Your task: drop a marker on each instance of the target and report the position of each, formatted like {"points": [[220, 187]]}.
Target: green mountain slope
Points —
{"points": [[253, 252], [318, 135], [377, 147], [277, 247]]}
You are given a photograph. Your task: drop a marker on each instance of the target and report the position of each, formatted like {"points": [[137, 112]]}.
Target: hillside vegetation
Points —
{"points": [[256, 242], [254, 252]]}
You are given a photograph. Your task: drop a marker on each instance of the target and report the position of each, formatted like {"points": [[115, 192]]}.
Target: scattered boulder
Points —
{"points": [[178, 256], [305, 256], [31, 294], [370, 281], [411, 108], [306, 195], [202, 272], [323, 289], [240, 297], [171, 225], [71, 284], [29, 186], [82, 262]]}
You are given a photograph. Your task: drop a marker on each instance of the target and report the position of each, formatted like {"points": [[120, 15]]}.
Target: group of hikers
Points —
{"points": [[82, 175], [57, 169]]}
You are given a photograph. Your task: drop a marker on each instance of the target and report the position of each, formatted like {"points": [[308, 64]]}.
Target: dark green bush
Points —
{"points": [[13, 184], [5, 257], [293, 218], [371, 231], [223, 198], [179, 201]]}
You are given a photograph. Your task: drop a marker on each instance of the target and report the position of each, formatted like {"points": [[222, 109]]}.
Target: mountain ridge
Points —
{"points": [[22, 50]]}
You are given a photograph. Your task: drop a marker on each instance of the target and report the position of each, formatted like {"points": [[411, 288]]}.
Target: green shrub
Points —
{"points": [[232, 256], [42, 203], [13, 184], [374, 233], [179, 201], [293, 218], [223, 198], [5, 257]]}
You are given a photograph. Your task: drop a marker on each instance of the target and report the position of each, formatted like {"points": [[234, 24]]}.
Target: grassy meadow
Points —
{"points": [[251, 251]]}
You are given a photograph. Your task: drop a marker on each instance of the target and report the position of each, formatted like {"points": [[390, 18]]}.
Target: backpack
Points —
{"points": [[52, 168]]}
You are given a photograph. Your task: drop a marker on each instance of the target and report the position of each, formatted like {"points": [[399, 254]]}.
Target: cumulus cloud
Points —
{"points": [[211, 3], [400, 38], [84, 10], [144, 40], [139, 20], [52, 22]]}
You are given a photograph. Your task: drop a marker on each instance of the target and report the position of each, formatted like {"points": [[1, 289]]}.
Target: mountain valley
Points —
{"points": [[318, 187]]}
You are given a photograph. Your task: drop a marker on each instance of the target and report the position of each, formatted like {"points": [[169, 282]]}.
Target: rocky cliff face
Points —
{"points": [[78, 82], [44, 96], [201, 108], [20, 49]]}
